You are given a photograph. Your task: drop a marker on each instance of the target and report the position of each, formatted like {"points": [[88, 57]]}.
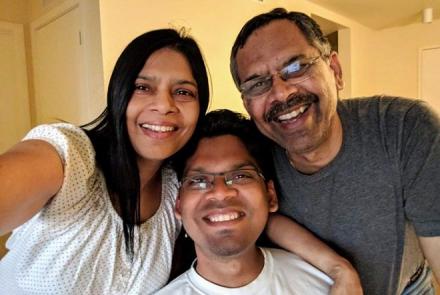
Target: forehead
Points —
{"points": [[218, 154], [167, 60], [270, 46]]}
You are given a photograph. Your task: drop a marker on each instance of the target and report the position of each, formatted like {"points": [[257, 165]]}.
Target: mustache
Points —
{"points": [[292, 100], [221, 204]]}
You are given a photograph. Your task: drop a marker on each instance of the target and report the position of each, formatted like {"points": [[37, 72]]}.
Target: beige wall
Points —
{"points": [[14, 11], [214, 25], [395, 57], [39, 7]]}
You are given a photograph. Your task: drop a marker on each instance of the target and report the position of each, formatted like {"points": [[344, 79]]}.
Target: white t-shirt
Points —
{"points": [[283, 273], [75, 244]]}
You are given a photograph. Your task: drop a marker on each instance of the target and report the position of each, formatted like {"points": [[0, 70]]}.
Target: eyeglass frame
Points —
{"points": [[212, 176], [282, 74]]}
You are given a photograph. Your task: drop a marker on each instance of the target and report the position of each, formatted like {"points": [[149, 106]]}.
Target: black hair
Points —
{"points": [[115, 155], [311, 30], [227, 122]]}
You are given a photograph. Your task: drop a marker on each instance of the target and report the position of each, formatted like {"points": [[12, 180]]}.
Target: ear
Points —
{"points": [[272, 196], [177, 209], [335, 65]]}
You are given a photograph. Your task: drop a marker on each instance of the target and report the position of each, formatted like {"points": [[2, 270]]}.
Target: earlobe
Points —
{"points": [[272, 196]]}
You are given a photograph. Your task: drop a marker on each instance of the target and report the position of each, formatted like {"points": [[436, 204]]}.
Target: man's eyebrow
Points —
{"points": [[292, 59], [243, 165]]}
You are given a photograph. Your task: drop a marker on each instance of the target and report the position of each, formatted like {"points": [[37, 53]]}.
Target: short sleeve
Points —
{"points": [[420, 164], [77, 154]]}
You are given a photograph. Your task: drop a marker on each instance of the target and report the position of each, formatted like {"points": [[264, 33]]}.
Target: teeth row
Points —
{"points": [[158, 128], [223, 217], [292, 114]]}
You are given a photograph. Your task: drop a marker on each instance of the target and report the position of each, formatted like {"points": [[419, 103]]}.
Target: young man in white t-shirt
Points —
{"points": [[224, 203]]}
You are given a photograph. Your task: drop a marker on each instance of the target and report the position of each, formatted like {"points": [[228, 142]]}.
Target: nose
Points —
{"points": [[221, 191], [281, 89], [164, 103]]}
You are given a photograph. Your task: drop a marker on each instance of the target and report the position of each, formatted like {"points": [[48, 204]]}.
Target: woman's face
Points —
{"points": [[163, 110]]}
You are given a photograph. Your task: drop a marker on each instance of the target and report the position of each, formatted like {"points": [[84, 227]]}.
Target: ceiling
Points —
{"points": [[380, 14]]}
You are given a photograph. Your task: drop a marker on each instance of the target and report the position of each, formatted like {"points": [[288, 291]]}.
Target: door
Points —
{"points": [[58, 64], [67, 63]]}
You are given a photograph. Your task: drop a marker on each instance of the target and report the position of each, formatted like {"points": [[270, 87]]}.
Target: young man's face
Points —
{"points": [[298, 112], [224, 220]]}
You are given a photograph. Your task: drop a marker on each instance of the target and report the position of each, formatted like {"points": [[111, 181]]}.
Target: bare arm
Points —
{"points": [[293, 237], [31, 172], [431, 250]]}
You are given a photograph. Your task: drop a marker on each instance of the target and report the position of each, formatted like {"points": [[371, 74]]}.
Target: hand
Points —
{"points": [[346, 280]]}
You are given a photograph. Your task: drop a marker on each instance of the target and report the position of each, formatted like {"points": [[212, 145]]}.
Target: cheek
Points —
{"points": [[130, 113], [256, 111], [190, 114]]}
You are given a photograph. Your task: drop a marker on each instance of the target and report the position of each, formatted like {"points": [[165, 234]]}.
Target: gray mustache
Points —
{"points": [[300, 98]]}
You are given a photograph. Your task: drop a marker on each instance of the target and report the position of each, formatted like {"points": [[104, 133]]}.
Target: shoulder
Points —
{"points": [[287, 262], [383, 105], [388, 114], [65, 138]]}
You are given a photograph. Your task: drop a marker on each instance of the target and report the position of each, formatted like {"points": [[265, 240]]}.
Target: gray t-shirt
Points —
{"points": [[383, 184]]}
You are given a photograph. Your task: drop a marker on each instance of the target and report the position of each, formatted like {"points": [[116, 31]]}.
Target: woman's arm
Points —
{"points": [[286, 233], [31, 172]]}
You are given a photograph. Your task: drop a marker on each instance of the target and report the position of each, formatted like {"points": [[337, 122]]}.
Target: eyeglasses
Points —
{"points": [[205, 181], [295, 72]]}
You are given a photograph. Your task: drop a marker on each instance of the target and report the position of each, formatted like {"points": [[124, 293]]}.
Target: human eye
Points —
{"points": [[258, 84], [141, 88], [295, 69], [197, 182], [241, 176], [185, 94]]}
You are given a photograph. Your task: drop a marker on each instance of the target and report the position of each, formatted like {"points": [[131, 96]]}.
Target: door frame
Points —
{"points": [[421, 50]]}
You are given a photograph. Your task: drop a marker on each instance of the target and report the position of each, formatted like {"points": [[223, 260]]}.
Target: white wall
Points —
{"points": [[394, 57], [214, 24]]}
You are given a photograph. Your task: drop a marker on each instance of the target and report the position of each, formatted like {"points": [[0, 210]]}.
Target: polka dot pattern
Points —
{"points": [[75, 244]]}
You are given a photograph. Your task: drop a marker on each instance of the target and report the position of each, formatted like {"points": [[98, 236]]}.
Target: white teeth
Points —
{"points": [[224, 217], [158, 128], [292, 114]]}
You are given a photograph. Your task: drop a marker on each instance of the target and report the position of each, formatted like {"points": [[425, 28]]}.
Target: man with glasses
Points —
{"points": [[362, 174], [224, 203]]}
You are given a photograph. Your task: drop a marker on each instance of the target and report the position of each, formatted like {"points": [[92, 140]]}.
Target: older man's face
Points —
{"points": [[298, 116]]}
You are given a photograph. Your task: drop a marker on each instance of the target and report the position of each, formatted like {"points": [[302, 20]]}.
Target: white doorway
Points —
{"points": [[67, 63], [14, 98], [429, 77]]}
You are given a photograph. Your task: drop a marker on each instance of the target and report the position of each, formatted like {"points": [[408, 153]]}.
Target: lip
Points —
{"points": [[293, 113], [294, 123], [158, 130]]}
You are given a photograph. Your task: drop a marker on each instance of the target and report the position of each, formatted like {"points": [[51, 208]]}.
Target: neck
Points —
{"points": [[150, 188], [231, 272], [314, 160]]}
